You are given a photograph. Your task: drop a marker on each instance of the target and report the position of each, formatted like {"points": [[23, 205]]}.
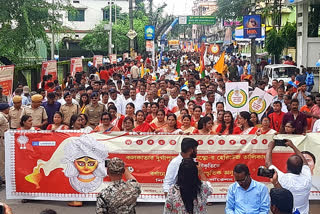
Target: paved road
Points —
{"points": [[35, 207]]}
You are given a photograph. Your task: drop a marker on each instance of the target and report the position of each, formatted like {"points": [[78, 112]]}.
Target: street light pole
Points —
{"points": [[52, 35], [131, 26], [110, 24], [253, 48]]}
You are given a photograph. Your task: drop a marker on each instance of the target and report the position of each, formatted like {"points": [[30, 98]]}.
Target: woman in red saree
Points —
{"points": [[162, 105], [160, 121], [208, 108], [130, 109], [227, 125], [141, 125], [205, 126], [246, 126], [128, 124], [57, 122], [116, 118], [154, 111], [106, 125], [265, 127], [196, 116]]}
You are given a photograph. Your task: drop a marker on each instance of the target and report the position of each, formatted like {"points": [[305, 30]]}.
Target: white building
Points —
{"points": [[89, 14], [203, 8]]}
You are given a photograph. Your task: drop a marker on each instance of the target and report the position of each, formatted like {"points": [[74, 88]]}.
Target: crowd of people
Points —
{"points": [[132, 96]]}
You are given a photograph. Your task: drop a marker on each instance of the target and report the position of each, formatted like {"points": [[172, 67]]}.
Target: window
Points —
{"points": [[76, 16], [106, 14]]}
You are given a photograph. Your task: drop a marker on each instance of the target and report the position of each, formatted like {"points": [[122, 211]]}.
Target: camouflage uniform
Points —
{"points": [[119, 197]]}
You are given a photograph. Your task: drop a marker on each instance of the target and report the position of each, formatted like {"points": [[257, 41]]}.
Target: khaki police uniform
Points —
{"points": [[14, 117], [38, 114], [94, 114], [4, 126], [68, 111]]}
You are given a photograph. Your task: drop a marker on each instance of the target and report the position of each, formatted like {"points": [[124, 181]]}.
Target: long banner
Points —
{"points": [[70, 165], [6, 79]]}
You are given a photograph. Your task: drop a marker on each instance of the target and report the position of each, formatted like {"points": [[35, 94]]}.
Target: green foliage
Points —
{"points": [[232, 9], [289, 34], [23, 22], [98, 39], [275, 43]]}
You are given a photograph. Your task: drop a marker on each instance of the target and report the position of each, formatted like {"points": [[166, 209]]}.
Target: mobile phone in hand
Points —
{"points": [[279, 142]]}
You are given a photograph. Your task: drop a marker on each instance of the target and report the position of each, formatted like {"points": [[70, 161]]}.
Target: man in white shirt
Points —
{"points": [[297, 179], [142, 94], [138, 103], [189, 148], [173, 98], [117, 100]]}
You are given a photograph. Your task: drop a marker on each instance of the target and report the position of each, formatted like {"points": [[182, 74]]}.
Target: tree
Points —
{"points": [[98, 38], [24, 22], [289, 34], [232, 9], [275, 44]]}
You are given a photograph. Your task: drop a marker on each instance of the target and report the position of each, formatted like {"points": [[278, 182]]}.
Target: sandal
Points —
{"points": [[75, 204]]}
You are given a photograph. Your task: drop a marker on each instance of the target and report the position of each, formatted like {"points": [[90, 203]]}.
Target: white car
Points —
{"points": [[280, 72]]}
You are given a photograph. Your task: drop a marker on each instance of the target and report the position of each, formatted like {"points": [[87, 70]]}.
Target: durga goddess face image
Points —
{"points": [[85, 158]]}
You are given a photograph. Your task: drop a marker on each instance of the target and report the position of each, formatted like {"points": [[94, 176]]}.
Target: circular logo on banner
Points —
{"points": [[232, 142], [264, 141], [200, 142], [128, 142], [257, 104], [221, 142], [172, 142], [243, 142], [237, 98], [215, 49], [161, 142], [150, 142], [254, 141], [139, 142], [210, 142]]}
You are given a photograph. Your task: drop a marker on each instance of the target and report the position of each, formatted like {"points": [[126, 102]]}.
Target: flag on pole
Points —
{"points": [[178, 67], [142, 71], [219, 66], [202, 66]]}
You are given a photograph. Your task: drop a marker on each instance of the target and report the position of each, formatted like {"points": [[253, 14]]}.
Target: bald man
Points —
{"points": [[297, 179]]}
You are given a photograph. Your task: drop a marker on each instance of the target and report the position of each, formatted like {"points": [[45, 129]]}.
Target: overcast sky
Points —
{"points": [[177, 7]]}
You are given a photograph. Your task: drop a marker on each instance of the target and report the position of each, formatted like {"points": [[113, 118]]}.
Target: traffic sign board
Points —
{"points": [[197, 20], [131, 34]]}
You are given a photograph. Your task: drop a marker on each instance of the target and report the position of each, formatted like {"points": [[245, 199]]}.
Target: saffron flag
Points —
{"points": [[219, 66], [142, 71]]}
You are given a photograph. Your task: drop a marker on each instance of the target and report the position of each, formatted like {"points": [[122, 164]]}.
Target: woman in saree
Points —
{"points": [[141, 125], [160, 121], [186, 127], [106, 125]]}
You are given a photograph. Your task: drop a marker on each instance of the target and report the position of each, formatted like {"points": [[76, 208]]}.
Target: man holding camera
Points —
{"points": [[297, 179], [119, 196]]}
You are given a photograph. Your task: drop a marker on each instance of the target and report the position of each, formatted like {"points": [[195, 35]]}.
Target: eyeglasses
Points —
{"points": [[105, 119], [243, 180]]}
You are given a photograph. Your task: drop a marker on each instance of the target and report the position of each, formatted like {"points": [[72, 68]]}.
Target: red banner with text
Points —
{"points": [[6, 79], [75, 65], [49, 67], [44, 165]]}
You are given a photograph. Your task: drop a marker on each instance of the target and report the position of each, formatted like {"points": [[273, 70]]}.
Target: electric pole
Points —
{"points": [[253, 48], [131, 26], [110, 23], [52, 34]]}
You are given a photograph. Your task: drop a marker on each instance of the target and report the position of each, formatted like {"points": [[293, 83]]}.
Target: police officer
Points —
{"points": [[15, 112], [37, 112], [94, 110], [4, 126]]}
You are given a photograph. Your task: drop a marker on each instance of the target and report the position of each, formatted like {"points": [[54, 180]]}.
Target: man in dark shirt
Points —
{"points": [[299, 119], [51, 106]]}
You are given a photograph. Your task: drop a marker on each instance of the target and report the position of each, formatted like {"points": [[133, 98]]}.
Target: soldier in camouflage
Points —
{"points": [[119, 197]]}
